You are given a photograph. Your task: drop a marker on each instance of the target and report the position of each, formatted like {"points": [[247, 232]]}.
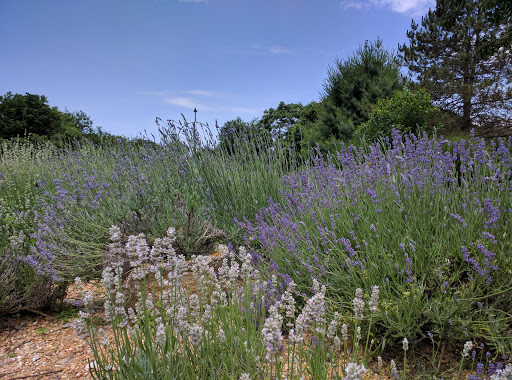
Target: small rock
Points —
{"points": [[35, 358], [90, 366], [64, 361]]}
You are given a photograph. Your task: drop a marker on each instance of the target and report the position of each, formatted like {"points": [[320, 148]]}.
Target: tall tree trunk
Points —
{"points": [[466, 114]]}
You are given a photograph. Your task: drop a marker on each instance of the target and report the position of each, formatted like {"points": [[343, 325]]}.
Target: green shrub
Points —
{"points": [[408, 111]]}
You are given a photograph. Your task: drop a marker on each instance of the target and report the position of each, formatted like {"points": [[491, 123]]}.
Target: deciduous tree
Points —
{"points": [[21, 115]]}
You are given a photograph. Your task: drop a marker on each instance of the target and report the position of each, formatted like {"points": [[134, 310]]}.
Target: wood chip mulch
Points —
{"points": [[41, 346]]}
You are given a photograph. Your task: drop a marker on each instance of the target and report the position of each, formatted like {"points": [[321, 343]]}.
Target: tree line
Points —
{"points": [[30, 116], [459, 61], [460, 73]]}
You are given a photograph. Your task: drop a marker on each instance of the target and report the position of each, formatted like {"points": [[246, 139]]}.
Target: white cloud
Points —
{"points": [[201, 93], [191, 99], [275, 50], [409, 7], [259, 49], [354, 4], [185, 103]]}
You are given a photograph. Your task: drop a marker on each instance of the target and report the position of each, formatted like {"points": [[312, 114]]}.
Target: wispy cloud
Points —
{"points": [[265, 50], [186, 103], [203, 100], [409, 7], [278, 50], [201, 92]]}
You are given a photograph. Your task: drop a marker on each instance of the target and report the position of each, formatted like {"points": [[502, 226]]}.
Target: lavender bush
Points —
{"points": [[426, 220], [21, 165], [222, 328]]}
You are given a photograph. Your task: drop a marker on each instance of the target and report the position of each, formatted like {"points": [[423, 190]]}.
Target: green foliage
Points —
{"points": [[407, 111], [21, 165], [294, 125], [354, 86], [497, 9], [461, 56], [282, 118], [21, 115], [30, 116], [333, 125], [237, 131]]}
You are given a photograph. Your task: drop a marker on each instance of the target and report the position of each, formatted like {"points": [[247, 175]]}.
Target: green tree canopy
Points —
{"points": [[354, 85], [407, 111], [30, 114], [237, 131], [294, 123], [27, 114], [462, 57]]}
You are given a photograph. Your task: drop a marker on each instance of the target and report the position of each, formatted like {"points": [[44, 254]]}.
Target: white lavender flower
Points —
{"points": [[333, 326], [344, 332], [207, 314], [132, 316], [245, 376], [313, 313], [354, 371], [180, 319], [221, 336], [115, 233], [287, 302], [405, 344], [272, 332], [107, 305], [374, 299], [120, 298], [468, 346], [379, 361], [88, 299], [80, 324], [233, 274], [358, 304], [503, 374], [337, 342], [194, 305], [393, 367], [108, 278], [295, 336], [160, 336], [103, 336], [195, 333], [16, 241]]}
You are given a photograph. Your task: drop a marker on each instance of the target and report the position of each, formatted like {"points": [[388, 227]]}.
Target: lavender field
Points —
{"points": [[378, 259]]}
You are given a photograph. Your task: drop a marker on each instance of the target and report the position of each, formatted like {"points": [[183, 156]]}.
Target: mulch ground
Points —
{"points": [[42, 346]]}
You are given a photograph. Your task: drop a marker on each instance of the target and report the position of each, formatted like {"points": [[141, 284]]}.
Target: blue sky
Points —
{"points": [[125, 62]]}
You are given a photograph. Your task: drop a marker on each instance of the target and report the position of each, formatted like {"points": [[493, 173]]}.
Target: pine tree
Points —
{"points": [[353, 86], [462, 57]]}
